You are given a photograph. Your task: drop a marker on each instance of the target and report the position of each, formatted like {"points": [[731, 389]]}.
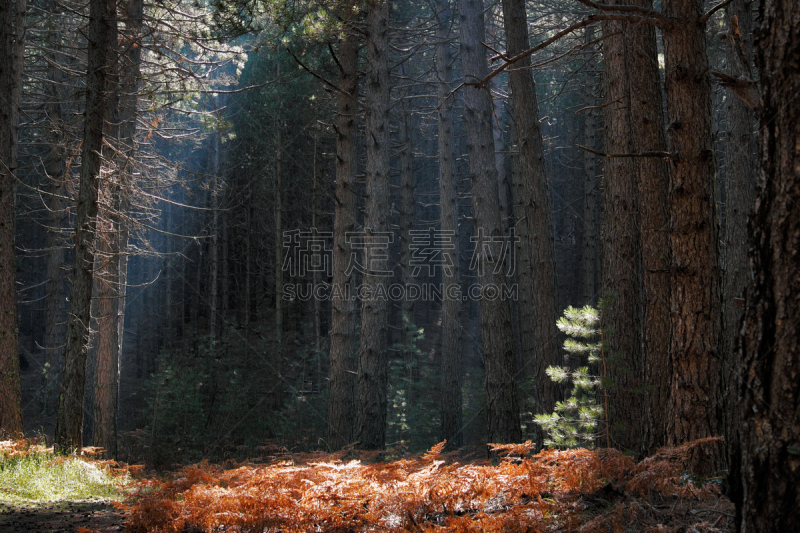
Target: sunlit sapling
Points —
{"points": [[574, 421]]}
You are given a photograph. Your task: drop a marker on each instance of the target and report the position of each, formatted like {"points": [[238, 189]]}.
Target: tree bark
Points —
{"points": [[408, 211], [341, 406], [740, 172], [12, 48], [768, 498], [621, 247], [372, 358], [535, 276], [502, 402], [56, 168], [106, 374], [590, 259], [450, 403], [106, 281], [69, 421], [213, 282], [695, 325], [113, 241], [278, 218], [652, 188]]}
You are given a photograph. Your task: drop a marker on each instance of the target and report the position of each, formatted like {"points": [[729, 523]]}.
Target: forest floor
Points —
{"points": [[61, 517], [587, 491]]}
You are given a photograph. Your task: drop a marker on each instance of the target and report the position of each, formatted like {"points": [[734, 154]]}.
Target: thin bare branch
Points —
{"points": [[591, 19], [323, 80], [668, 155], [713, 10]]}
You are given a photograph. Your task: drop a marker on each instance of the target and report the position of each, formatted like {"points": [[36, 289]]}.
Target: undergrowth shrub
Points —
{"points": [[574, 422], [32, 473]]}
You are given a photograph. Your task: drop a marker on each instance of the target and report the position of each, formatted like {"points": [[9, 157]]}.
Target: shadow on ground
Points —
{"points": [[60, 517]]}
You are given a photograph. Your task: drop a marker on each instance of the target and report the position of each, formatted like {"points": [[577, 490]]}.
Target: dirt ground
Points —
{"points": [[60, 517]]}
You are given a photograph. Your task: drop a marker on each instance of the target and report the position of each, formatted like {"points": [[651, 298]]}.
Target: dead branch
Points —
{"points": [[668, 155]]}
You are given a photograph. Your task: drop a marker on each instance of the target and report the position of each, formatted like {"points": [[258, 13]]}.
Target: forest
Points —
{"points": [[423, 249]]}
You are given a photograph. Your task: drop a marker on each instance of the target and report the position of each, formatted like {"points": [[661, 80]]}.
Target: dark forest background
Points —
{"points": [[170, 156]]}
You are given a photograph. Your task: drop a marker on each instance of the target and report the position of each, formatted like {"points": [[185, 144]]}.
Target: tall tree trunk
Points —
{"points": [[535, 276], [341, 406], [278, 214], [213, 282], [114, 243], [106, 384], [248, 276], [769, 391], [450, 405], [591, 184], [621, 252], [740, 172], [372, 359], [12, 43], [694, 352], [106, 277], [502, 402], [652, 183], [69, 420], [317, 275], [408, 210], [56, 168]]}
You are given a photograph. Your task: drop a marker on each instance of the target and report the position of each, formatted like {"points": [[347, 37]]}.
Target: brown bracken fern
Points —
{"points": [[554, 490]]}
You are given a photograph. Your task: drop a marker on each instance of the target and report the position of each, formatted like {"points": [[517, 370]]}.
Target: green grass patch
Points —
{"points": [[30, 474]]}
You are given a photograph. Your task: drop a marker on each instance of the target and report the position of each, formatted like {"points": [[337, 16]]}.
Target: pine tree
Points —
{"points": [[574, 422]]}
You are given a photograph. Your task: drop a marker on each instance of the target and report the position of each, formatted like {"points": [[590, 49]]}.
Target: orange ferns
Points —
{"points": [[570, 490]]}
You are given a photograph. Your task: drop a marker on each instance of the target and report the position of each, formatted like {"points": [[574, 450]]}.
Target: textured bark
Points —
{"points": [[278, 217], [740, 146], [408, 211], [103, 336], [502, 402], [106, 374], [621, 248], [535, 273], [69, 420], [372, 357], [769, 389], [55, 165], [652, 182], [451, 416], [694, 353], [213, 263], [113, 241], [341, 406], [12, 39], [590, 261]]}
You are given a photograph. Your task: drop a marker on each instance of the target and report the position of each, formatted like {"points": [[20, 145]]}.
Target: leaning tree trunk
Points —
{"points": [[69, 420], [535, 276], [502, 402], [692, 408], [372, 358], [12, 38], [450, 403], [341, 406], [769, 389]]}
